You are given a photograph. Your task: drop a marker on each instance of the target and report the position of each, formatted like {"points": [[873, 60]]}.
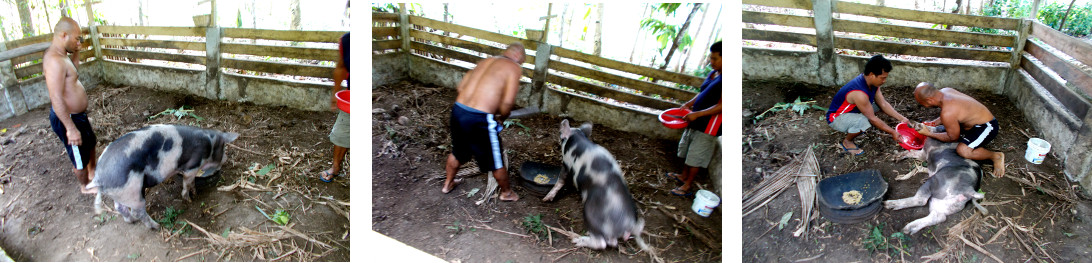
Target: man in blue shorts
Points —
{"points": [[853, 109], [486, 96]]}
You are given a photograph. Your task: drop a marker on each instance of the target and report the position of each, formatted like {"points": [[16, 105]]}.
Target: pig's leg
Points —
{"points": [[187, 184], [557, 187], [98, 203], [917, 169], [919, 199], [140, 213], [916, 154], [124, 211], [939, 209], [592, 242]]}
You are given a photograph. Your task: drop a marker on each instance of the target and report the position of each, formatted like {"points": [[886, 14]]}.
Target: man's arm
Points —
{"points": [[861, 100], [886, 107], [707, 112], [54, 74], [951, 128], [511, 88], [340, 74]]}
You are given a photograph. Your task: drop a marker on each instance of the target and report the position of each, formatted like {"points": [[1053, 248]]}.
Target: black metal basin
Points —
{"points": [[868, 182]]}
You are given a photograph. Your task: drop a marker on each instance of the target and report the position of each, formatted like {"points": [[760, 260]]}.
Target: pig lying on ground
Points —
{"points": [[609, 210], [151, 155], [952, 182]]}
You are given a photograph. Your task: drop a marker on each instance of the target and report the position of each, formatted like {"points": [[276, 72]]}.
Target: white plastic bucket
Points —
{"points": [[1037, 150], [704, 202]]}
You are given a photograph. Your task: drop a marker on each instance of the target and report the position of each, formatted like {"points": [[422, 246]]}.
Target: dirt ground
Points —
{"points": [[1024, 223], [410, 144], [44, 217]]}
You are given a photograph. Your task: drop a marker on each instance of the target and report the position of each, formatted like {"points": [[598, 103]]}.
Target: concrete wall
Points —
{"points": [[1069, 135], [388, 68], [275, 92], [185, 81], [801, 66], [19, 98], [234, 87]]}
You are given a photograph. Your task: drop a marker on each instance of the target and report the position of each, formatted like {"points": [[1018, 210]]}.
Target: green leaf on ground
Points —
{"points": [[784, 220]]}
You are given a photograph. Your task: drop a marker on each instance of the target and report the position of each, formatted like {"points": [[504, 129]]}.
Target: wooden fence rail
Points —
{"points": [[427, 38]]}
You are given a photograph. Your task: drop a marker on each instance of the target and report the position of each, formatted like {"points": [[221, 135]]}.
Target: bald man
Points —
{"points": [[486, 97], [977, 126], [68, 99]]}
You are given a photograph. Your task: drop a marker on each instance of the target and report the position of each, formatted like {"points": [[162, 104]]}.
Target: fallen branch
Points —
{"points": [[191, 254], [297, 233], [245, 150], [487, 227]]}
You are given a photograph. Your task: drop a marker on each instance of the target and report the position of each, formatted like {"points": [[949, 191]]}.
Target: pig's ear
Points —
{"points": [[586, 128], [229, 137], [565, 130]]}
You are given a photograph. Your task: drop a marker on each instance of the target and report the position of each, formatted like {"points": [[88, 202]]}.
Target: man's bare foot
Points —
{"points": [[999, 164], [510, 196], [84, 190], [448, 186]]}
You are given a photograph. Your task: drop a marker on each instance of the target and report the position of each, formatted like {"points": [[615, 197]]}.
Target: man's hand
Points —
{"points": [[924, 130], [689, 117], [897, 136], [74, 137]]}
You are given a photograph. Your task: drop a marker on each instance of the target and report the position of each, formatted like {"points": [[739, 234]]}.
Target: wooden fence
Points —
{"points": [[572, 69], [1074, 87], [26, 55]]}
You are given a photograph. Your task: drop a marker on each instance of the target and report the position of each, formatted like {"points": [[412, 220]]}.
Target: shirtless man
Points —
{"points": [[67, 115], [486, 96], [977, 126]]}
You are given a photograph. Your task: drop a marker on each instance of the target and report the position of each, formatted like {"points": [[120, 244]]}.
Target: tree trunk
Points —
{"points": [[49, 20], [679, 35], [598, 47], [254, 13], [140, 13], [561, 28], [701, 21], [637, 36], [1061, 26], [880, 2], [65, 10], [713, 37], [295, 5]]}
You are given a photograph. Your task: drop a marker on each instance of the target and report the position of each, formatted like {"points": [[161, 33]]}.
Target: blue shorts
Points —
{"points": [[87, 135], [475, 133]]}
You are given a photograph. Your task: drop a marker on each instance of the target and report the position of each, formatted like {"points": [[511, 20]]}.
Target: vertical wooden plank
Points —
{"points": [[1021, 40], [538, 82], [94, 31], [403, 27], [212, 64], [7, 78], [824, 38]]}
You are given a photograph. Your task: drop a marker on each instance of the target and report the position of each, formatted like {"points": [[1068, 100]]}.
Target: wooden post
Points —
{"points": [[5, 71], [824, 38], [1021, 40], [538, 82], [403, 27], [212, 66], [93, 28], [213, 22]]}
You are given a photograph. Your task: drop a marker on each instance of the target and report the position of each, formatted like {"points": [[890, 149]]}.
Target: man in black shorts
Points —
{"points": [[486, 97], [976, 125], [68, 100]]}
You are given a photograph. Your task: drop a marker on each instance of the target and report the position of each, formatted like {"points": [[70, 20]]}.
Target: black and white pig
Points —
{"points": [[609, 210], [951, 183], [151, 155]]}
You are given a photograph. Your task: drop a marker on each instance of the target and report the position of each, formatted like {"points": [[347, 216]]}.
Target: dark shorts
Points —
{"points": [[979, 135], [87, 135], [474, 133]]}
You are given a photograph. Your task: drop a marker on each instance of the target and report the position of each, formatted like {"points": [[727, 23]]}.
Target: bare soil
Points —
{"points": [[1058, 227], [410, 144], [44, 217]]}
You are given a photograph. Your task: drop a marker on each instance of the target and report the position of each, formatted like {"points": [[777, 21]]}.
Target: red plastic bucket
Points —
{"points": [[342, 100]]}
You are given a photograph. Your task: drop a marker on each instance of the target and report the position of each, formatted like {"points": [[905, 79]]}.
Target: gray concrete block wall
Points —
{"points": [[186, 81], [388, 68], [773, 64], [1042, 111], [801, 66], [435, 72], [274, 92], [910, 73]]}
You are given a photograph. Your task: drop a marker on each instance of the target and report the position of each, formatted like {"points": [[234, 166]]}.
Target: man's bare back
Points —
{"points": [[967, 111], [491, 86]]}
